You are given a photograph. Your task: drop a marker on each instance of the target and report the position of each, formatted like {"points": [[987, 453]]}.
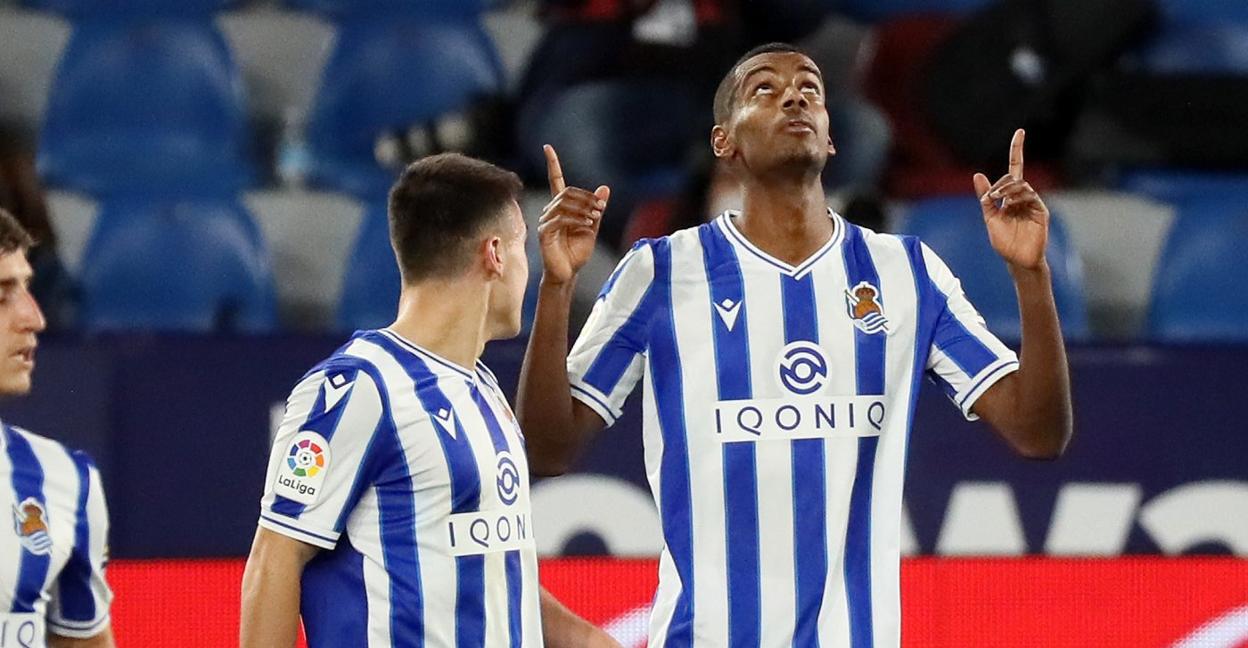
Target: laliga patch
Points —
{"points": [[302, 472]]}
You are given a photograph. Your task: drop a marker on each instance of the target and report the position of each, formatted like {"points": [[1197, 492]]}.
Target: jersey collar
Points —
{"points": [[434, 360], [797, 272]]}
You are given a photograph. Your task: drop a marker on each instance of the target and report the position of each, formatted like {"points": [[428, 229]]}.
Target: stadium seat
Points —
{"points": [[954, 229], [370, 289], [1206, 12], [77, 9], [390, 72], [178, 266], [146, 105], [1200, 287], [880, 10], [1179, 185], [1198, 49], [343, 8]]}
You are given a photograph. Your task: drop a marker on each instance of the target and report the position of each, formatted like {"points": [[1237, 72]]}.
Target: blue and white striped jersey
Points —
{"points": [[54, 548], [777, 408], [411, 472]]}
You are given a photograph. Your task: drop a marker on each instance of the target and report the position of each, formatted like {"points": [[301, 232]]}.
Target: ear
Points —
{"points": [[493, 255], [831, 147], [721, 143]]}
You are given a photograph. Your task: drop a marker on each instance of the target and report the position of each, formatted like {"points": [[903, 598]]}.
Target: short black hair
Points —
{"points": [[13, 237], [726, 95], [438, 207]]}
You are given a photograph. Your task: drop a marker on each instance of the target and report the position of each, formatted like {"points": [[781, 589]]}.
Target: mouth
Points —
{"points": [[25, 355], [799, 126]]}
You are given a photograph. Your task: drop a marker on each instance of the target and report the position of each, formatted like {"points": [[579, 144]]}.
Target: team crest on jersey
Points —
{"points": [[864, 308], [30, 520], [302, 472]]}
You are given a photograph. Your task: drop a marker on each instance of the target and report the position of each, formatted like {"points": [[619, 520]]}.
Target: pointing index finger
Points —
{"points": [[1016, 154], [553, 171]]}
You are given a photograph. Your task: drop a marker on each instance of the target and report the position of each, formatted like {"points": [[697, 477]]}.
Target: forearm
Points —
{"points": [[102, 640], [1041, 424], [270, 605], [544, 403], [561, 628]]}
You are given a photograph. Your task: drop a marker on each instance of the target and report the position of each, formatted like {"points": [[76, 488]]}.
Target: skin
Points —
{"points": [[776, 142], [21, 321], [490, 295]]}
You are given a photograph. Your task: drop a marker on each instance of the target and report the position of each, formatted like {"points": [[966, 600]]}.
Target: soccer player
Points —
{"points": [[782, 349], [52, 553], [396, 508]]}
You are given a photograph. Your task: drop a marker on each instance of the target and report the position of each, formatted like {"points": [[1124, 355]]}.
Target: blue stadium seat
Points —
{"points": [[146, 105], [370, 289], [1206, 12], [1200, 286], [343, 8], [77, 9], [178, 266], [954, 228], [1198, 49], [1178, 185], [390, 72], [881, 10]]}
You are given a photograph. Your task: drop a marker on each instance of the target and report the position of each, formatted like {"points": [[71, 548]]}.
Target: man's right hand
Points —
{"points": [[569, 224]]}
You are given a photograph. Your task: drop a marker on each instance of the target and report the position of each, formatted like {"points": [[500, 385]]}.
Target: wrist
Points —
{"points": [[552, 284], [1038, 273]]}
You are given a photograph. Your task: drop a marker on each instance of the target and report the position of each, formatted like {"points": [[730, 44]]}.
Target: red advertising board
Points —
{"points": [[1041, 602]]}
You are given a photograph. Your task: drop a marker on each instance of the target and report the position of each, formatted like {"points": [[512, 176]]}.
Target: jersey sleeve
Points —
{"points": [[606, 361], [965, 358], [320, 460], [79, 606]]}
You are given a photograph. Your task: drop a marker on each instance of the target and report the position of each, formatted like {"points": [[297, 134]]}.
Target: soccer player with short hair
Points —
{"points": [[396, 508], [53, 552], [781, 349]]}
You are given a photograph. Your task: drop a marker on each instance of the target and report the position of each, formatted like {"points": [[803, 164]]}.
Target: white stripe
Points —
{"points": [[837, 336], [1226, 631], [60, 490], [10, 548], [669, 581], [298, 405], [427, 466], [897, 287], [364, 530]]}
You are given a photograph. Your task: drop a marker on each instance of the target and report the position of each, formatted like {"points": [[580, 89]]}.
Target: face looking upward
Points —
{"points": [[20, 321], [779, 122]]}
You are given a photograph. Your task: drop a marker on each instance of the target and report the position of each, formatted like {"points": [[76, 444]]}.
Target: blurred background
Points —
{"points": [[207, 180]]}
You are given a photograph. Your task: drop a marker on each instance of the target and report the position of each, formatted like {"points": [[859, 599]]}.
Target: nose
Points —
{"points": [[793, 97], [31, 316]]}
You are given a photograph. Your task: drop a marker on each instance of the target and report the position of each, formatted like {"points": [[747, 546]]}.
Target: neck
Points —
{"points": [[449, 318], [785, 217]]}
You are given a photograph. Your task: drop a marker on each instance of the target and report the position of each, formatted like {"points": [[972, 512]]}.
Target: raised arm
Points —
{"points": [[556, 425], [270, 613], [1030, 408]]}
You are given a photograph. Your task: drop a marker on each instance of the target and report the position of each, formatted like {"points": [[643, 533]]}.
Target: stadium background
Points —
{"points": [[218, 217]]}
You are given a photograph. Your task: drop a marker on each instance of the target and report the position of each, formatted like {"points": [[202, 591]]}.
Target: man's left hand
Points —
{"points": [[1017, 220]]}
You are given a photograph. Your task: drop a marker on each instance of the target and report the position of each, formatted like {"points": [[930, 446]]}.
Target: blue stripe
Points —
{"points": [[465, 492], [925, 329], [983, 379], [323, 423], [515, 578], [594, 397], [74, 582], [334, 600], [675, 505], [27, 482], [869, 350], [810, 497], [952, 337], [295, 528], [625, 344], [740, 463]]}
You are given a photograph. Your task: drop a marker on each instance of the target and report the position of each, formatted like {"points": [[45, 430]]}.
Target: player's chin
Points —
{"points": [[16, 383]]}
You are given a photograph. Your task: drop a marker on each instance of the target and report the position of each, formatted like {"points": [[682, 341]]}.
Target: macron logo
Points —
{"points": [[728, 311], [447, 419], [336, 386]]}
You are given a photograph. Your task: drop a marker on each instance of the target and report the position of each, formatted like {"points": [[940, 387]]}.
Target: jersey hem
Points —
{"points": [[317, 537], [981, 382], [73, 630]]}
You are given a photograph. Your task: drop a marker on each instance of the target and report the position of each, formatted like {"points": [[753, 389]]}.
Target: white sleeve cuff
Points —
{"points": [[303, 532], [78, 629], [981, 382], [596, 401]]}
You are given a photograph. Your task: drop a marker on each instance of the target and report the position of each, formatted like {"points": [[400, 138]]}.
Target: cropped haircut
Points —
{"points": [[726, 93], [13, 237], [440, 206]]}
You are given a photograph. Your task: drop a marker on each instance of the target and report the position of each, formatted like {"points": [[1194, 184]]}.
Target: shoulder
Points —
{"points": [[43, 447]]}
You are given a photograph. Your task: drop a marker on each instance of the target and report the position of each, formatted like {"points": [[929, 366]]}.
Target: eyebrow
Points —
{"points": [[805, 67]]}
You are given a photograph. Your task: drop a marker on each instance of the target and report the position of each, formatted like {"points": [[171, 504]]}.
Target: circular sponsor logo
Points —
{"points": [[306, 457], [802, 368], [508, 479]]}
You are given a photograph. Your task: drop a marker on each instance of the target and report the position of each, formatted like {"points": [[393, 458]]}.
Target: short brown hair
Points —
{"points": [[726, 93], [439, 205], [13, 237]]}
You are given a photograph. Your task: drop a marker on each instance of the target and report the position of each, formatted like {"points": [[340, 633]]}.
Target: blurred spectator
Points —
{"points": [[21, 193], [623, 89]]}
